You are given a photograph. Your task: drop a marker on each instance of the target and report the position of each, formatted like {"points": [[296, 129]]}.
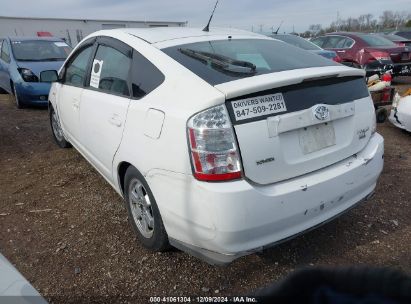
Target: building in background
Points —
{"points": [[70, 30]]}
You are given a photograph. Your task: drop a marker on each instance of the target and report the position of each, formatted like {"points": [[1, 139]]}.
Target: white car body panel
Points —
{"points": [[217, 221], [403, 112], [105, 126]]}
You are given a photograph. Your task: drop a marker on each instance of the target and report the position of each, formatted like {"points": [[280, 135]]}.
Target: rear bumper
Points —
{"points": [[33, 93], [220, 222], [397, 69]]}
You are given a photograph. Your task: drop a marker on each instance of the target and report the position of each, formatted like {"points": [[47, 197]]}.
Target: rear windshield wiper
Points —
{"points": [[222, 62]]}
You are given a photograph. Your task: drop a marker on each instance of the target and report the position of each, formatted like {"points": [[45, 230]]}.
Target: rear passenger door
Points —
{"points": [[341, 45], [104, 103]]}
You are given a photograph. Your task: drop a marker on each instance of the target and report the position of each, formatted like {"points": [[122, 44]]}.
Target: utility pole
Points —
{"points": [[261, 28]]}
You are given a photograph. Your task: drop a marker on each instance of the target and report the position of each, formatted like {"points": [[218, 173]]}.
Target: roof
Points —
{"points": [[155, 35]]}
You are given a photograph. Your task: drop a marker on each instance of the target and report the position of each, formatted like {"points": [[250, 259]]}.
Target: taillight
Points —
{"points": [[337, 59], [379, 55], [28, 75], [386, 77], [213, 148]]}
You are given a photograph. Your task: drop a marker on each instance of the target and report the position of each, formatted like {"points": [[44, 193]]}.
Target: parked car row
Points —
{"points": [[244, 118], [371, 52]]}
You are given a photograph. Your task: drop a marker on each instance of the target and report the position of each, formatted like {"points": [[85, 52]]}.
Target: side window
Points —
{"points": [[348, 43], [110, 71], [5, 52], [319, 41], [145, 77], [77, 67], [332, 42], [340, 44]]}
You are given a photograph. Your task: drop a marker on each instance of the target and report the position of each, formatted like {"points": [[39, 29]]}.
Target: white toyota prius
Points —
{"points": [[221, 143]]}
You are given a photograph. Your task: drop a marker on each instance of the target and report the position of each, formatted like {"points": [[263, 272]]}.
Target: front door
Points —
{"points": [[70, 92]]}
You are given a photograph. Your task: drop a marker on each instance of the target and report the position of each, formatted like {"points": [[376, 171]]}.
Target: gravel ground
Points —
{"points": [[66, 230]]}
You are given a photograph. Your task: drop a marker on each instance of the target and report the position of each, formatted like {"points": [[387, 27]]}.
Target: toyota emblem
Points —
{"points": [[322, 113]]}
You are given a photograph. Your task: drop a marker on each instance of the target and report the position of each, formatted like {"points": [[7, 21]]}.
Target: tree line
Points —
{"points": [[389, 20]]}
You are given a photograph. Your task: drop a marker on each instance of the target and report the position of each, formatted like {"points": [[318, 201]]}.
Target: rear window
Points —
{"points": [[222, 61], [375, 40]]}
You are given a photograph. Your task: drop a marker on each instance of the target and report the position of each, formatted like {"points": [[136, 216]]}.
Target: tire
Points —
{"points": [[143, 212], [57, 131], [382, 115], [17, 100]]}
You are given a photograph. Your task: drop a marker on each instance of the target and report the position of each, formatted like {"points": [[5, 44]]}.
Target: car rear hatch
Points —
{"points": [[294, 122]]}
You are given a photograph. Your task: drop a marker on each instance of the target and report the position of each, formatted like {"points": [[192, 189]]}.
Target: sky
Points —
{"points": [[244, 14]]}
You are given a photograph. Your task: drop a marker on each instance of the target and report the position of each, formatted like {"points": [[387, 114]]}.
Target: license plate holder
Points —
{"points": [[317, 137]]}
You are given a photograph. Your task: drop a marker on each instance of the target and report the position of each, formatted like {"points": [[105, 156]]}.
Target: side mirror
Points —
{"points": [[49, 76]]}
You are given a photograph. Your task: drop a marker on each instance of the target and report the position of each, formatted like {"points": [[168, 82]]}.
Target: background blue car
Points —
{"points": [[23, 62], [306, 45]]}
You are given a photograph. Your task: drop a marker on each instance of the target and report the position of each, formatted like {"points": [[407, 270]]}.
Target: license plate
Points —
{"points": [[258, 106], [316, 138]]}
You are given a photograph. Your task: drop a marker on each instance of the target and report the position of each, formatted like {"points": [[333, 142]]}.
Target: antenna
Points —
{"points": [[207, 28], [276, 32]]}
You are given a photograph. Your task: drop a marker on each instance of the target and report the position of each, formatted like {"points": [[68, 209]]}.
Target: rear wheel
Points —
{"points": [[143, 212], [58, 134]]}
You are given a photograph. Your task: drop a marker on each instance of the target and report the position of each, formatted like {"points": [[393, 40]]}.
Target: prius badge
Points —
{"points": [[321, 112]]}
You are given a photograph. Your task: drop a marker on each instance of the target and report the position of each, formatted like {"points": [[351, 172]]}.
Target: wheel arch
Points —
{"points": [[121, 173]]}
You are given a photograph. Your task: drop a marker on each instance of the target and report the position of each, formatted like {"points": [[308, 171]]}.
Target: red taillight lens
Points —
{"points": [[337, 59], [213, 148], [379, 55], [386, 77]]}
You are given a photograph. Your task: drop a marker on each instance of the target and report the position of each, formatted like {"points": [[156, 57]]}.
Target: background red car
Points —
{"points": [[371, 52]]}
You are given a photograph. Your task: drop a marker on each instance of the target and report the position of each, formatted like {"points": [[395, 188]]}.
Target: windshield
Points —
{"points": [[298, 42], [375, 40], [40, 50], [227, 60]]}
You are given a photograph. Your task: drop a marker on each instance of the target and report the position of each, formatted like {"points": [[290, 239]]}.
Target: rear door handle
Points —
{"points": [[115, 120]]}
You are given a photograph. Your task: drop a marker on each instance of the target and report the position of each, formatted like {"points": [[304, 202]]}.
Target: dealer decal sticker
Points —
{"points": [[95, 73], [258, 106]]}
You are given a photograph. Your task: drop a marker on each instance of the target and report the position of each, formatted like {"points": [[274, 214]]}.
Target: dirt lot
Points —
{"points": [[66, 230]]}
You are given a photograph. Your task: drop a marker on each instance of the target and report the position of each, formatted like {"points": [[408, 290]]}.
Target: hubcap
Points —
{"points": [[58, 132], [141, 208]]}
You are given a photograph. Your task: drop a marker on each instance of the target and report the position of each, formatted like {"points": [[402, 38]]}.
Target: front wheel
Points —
{"points": [[143, 212], [57, 131]]}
